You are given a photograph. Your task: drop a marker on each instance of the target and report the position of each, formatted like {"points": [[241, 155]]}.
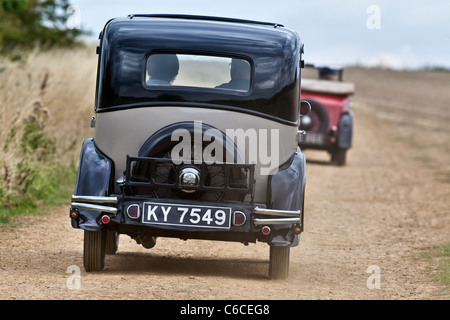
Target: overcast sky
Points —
{"points": [[391, 33]]}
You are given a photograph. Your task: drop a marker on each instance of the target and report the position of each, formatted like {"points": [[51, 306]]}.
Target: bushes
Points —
{"points": [[31, 173]]}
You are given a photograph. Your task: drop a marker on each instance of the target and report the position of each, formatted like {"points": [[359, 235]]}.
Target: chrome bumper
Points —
{"points": [[96, 204], [93, 203], [283, 216]]}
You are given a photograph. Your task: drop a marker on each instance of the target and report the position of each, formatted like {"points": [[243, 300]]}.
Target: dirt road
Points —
{"points": [[373, 217]]}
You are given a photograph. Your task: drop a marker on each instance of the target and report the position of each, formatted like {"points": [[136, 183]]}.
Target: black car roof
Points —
{"points": [[213, 31], [206, 18], [273, 49]]}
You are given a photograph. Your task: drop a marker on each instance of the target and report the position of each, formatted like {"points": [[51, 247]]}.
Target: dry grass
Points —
{"points": [[45, 106], [62, 83]]}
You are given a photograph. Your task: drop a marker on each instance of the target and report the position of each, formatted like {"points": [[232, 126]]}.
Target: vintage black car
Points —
{"points": [[196, 136]]}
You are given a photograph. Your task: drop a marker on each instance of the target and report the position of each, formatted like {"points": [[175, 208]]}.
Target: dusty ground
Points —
{"points": [[385, 208]]}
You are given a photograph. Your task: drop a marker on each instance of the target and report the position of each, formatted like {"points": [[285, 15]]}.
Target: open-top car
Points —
{"points": [[196, 137], [329, 125]]}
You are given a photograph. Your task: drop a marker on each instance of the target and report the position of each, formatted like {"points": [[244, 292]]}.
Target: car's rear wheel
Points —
{"points": [[279, 262], [339, 156], [112, 242], [94, 250]]}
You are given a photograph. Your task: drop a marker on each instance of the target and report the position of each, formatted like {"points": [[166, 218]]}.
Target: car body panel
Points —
{"points": [[274, 53], [132, 127], [334, 104]]}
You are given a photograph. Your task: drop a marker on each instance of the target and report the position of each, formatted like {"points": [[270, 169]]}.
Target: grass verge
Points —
{"points": [[46, 187], [32, 175], [439, 261], [444, 266]]}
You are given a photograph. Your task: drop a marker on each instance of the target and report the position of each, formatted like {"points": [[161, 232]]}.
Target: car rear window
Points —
{"points": [[189, 70]]}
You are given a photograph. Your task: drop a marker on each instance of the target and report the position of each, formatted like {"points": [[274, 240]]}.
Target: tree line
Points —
{"points": [[25, 24]]}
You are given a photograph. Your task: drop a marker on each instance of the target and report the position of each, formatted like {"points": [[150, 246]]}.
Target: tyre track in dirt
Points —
{"points": [[383, 209]]}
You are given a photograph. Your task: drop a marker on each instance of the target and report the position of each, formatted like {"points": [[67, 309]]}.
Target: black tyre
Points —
{"points": [[94, 250], [279, 262], [339, 156], [160, 145], [112, 242]]}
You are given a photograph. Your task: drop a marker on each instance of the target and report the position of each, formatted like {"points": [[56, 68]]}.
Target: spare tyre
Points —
{"points": [[160, 145], [317, 120]]}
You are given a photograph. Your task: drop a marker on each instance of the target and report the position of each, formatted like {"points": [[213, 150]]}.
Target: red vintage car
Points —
{"points": [[329, 125]]}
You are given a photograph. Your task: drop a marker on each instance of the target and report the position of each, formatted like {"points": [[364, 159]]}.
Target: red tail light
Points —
{"points": [[134, 211], [106, 219], [239, 219], [265, 231]]}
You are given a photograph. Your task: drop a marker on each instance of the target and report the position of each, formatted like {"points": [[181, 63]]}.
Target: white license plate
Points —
{"points": [[313, 138], [186, 215]]}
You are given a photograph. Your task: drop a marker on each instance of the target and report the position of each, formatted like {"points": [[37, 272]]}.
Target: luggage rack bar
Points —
{"points": [[244, 184]]}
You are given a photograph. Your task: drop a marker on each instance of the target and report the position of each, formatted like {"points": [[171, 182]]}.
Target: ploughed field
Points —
{"points": [[368, 225]]}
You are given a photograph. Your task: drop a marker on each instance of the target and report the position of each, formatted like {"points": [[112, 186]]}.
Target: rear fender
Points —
{"points": [[345, 131], [286, 192], [95, 177]]}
